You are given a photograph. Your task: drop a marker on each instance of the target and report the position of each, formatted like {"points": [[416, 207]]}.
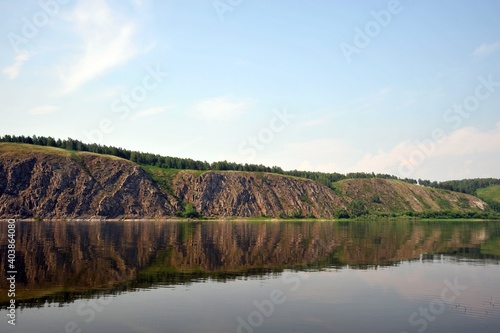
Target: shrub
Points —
{"points": [[341, 214], [190, 212], [357, 208]]}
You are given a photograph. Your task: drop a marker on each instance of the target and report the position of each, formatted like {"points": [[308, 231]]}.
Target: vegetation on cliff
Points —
{"points": [[47, 182], [168, 162], [491, 195]]}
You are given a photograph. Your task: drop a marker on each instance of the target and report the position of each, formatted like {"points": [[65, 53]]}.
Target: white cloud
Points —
{"points": [[107, 41], [150, 112], [470, 140], [13, 70], [43, 110], [448, 159], [466, 153], [486, 49], [220, 108]]}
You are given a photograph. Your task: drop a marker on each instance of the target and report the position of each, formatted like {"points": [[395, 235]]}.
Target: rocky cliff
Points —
{"points": [[51, 183], [54, 183], [249, 194]]}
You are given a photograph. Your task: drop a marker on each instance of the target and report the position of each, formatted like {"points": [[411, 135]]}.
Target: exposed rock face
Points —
{"points": [[84, 185], [54, 183], [248, 194]]}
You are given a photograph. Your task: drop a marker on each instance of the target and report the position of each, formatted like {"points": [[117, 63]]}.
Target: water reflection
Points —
{"points": [[63, 261]]}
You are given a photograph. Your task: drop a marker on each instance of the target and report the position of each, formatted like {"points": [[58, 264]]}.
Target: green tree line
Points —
{"points": [[169, 162], [469, 186]]}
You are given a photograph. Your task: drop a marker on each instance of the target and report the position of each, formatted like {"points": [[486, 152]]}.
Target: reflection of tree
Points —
{"points": [[65, 258]]}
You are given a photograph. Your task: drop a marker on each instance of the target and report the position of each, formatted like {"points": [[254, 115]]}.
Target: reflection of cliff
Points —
{"points": [[382, 244], [75, 256]]}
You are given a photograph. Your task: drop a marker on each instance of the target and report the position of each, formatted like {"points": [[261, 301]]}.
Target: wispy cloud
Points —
{"points": [[220, 108], [464, 144], [486, 49], [43, 110], [471, 140], [107, 41], [13, 70], [150, 112]]}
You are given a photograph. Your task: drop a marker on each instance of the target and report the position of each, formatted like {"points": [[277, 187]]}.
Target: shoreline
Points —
{"points": [[252, 219]]}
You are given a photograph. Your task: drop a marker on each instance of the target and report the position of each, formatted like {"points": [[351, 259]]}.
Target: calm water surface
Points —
{"points": [[251, 277]]}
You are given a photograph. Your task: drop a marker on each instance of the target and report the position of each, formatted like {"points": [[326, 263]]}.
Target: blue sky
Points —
{"points": [[410, 88]]}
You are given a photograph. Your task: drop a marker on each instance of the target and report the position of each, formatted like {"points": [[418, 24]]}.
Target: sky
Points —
{"points": [[410, 87]]}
